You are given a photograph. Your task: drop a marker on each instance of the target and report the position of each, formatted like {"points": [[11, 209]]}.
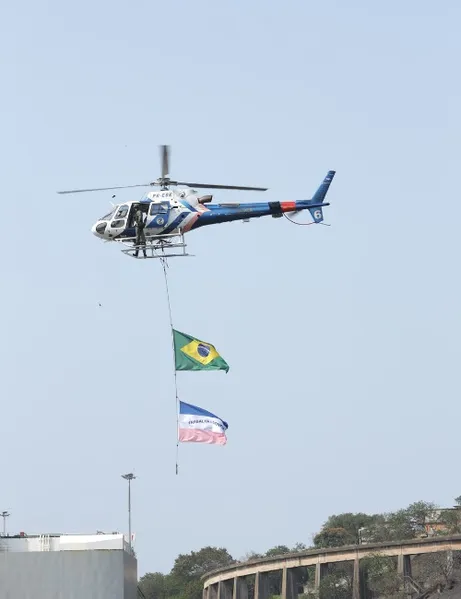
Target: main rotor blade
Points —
{"points": [[165, 150], [104, 188], [210, 186]]}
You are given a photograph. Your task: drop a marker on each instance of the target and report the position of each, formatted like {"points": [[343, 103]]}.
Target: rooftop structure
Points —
{"points": [[40, 566], [63, 542]]}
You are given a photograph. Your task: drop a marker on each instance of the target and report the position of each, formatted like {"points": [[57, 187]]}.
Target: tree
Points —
{"points": [[197, 563], [452, 523], [436, 569], [277, 550], [273, 552], [333, 537], [250, 556], [418, 514], [337, 585], [403, 524], [156, 585], [382, 577], [396, 527], [189, 568], [458, 500], [346, 529], [351, 523]]}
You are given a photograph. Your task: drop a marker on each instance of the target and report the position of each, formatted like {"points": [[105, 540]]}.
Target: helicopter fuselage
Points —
{"points": [[171, 212]]}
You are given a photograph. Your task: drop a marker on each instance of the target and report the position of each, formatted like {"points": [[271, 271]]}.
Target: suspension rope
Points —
{"points": [[165, 265], [303, 224]]}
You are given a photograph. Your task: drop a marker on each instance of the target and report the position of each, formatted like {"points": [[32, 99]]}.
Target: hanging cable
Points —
{"points": [[303, 224], [164, 262]]}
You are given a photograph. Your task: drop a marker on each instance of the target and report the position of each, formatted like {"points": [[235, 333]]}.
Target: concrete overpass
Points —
{"points": [[230, 583]]}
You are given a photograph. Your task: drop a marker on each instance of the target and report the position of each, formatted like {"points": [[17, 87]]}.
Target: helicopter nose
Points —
{"points": [[98, 229]]}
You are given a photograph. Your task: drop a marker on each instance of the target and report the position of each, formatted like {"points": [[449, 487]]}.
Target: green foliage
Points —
{"points": [[184, 578], [452, 521], [404, 524], [334, 537], [250, 556], [156, 585], [436, 569], [193, 589], [417, 514], [377, 565], [351, 523], [382, 576], [282, 549], [277, 550], [345, 529], [395, 526], [337, 585], [348, 529], [193, 565]]}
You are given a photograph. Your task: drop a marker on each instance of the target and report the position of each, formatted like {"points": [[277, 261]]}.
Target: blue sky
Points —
{"points": [[343, 393]]}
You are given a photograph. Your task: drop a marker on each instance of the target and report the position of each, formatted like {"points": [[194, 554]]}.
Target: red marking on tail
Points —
{"points": [[288, 206]]}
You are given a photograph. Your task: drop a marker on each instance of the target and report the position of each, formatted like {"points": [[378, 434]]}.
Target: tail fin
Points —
{"points": [[319, 196]]}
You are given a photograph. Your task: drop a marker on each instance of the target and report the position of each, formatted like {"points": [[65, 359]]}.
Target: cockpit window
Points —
{"points": [[118, 224], [108, 216], [122, 212], [159, 208]]}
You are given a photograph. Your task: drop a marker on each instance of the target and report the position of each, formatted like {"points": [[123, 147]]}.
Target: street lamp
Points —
{"points": [[4, 515], [129, 477]]}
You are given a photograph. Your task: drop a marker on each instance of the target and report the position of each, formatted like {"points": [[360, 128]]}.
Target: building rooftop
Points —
{"points": [[63, 542]]}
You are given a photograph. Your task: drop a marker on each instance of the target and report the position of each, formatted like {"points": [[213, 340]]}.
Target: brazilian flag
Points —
{"points": [[192, 354]]}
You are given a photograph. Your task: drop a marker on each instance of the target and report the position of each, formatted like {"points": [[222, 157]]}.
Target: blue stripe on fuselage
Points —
{"points": [[222, 214], [177, 221], [187, 205]]}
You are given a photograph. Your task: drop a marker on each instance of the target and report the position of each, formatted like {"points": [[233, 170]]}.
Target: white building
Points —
{"points": [[55, 566]]}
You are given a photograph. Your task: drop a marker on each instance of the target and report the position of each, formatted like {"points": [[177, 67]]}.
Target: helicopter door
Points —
{"points": [[118, 223], [159, 215]]}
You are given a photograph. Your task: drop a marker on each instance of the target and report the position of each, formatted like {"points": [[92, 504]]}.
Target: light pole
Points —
{"points": [[129, 477], [4, 515]]}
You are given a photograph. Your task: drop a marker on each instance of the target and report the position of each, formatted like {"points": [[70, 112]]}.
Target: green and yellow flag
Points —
{"points": [[192, 354]]}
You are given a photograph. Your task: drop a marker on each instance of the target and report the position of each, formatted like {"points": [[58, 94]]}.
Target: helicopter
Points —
{"points": [[170, 213]]}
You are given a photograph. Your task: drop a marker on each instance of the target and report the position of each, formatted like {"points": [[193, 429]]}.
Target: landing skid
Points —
{"points": [[171, 245]]}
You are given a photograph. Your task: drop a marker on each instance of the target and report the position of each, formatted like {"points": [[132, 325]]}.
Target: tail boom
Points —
{"points": [[221, 213]]}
